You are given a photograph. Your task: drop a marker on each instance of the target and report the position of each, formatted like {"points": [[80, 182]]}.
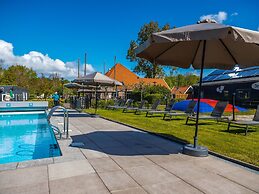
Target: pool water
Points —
{"points": [[26, 136]]}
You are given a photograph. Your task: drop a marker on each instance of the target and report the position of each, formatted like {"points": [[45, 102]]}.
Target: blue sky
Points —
{"points": [[65, 30]]}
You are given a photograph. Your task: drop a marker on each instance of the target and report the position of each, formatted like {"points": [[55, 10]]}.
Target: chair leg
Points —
{"points": [[228, 126], [187, 119], [246, 129]]}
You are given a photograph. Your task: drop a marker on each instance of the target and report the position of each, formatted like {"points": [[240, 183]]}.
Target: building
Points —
{"points": [[131, 80], [182, 92], [223, 84], [20, 94]]}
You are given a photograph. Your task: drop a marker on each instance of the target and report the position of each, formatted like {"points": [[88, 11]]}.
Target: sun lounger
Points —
{"points": [[216, 114], [126, 105], [153, 107], [167, 109], [189, 111], [141, 105], [116, 104], [245, 123]]}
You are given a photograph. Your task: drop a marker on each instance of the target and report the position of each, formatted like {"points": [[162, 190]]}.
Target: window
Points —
{"points": [[243, 94]]}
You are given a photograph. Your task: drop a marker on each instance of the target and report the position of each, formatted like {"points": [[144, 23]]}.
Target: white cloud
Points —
{"points": [[219, 17], [39, 62]]}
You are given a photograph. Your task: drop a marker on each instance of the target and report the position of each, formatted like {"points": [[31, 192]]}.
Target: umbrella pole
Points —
{"points": [[195, 138], [195, 150], [95, 99]]}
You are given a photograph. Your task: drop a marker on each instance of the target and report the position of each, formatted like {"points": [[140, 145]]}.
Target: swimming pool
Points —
{"points": [[26, 136]]}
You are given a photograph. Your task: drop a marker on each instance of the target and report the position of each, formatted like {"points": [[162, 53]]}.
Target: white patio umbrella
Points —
{"points": [[97, 79], [206, 44]]}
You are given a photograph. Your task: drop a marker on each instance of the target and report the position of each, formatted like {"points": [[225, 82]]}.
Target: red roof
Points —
{"points": [[130, 79], [180, 90]]}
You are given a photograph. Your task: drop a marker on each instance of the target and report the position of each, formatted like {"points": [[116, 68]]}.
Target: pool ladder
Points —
{"points": [[66, 121]]}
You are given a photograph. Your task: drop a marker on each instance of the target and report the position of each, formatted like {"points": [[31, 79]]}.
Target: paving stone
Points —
{"points": [[67, 157], [38, 162], [8, 166], [132, 161], [69, 169], [201, 178], [23, 177], [94, 152], [150, 174], [88, 183], [104, 164], [171, 188], [137, 190], [249, 179], [117, 180], [121, 151], [39, 188]]}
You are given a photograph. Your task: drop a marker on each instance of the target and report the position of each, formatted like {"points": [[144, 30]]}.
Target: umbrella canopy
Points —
{"points": [[97, 78], [78, 86], [206, 105], [204, 44], [182, 47]]}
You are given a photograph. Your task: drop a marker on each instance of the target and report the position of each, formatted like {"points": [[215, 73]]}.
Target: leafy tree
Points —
{"points": [[20, 76], [181, 80], [150, 70]]}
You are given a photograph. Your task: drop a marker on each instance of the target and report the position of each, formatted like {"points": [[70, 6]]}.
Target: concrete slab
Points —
{"points": [[87, 183], [69, 169], [23, 177], [71, 156], [132, 161], [105, 164], [8, 166], [172, 188], [117, 180], [38, 162], [150, 174], [39, 188], [137, 190]]}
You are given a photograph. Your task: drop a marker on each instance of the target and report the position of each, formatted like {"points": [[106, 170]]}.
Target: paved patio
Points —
{"points": [[119, 159]]}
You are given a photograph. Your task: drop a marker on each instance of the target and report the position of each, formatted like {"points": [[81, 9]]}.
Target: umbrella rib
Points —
{"points": [[165, 50], [228, 51], [196, 52]]}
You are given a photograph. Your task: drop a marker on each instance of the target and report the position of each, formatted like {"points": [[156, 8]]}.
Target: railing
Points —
{"points": [[66, 120]]}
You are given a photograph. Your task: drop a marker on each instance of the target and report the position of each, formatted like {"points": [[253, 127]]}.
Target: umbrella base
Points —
{"points": [[199, 151]]}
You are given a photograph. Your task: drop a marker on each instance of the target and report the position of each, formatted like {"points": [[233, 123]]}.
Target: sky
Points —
{"points": [[50, 35]]}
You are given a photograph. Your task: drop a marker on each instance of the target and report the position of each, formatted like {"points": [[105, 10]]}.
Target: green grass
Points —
{"points": [[213, 135]]}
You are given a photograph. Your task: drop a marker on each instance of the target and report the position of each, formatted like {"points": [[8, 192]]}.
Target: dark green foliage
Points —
{"points": [[25, 77], [150, 70], [182, 80]]}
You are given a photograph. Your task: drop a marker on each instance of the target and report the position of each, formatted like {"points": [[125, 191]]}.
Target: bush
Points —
{"points": [[103, 103], [151, 98]]}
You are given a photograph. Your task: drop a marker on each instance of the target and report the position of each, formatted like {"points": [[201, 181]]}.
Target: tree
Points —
{"points": [[150, 70], [20, 76]]}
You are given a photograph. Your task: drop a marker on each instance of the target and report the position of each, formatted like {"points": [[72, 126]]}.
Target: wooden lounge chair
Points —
{"points": [[245, 123], [153, 107], [189, 111], [141, 105], [167, 109], [216, 114]]}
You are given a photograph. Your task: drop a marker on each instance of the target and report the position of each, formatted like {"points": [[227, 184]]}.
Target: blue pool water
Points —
{"points": [[26, 136]]}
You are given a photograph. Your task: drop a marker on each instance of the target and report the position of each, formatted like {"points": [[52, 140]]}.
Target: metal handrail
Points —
{"points": [[66, 120]]}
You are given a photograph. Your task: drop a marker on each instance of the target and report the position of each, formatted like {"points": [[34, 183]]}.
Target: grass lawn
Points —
{"points": [[211, 134]]}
